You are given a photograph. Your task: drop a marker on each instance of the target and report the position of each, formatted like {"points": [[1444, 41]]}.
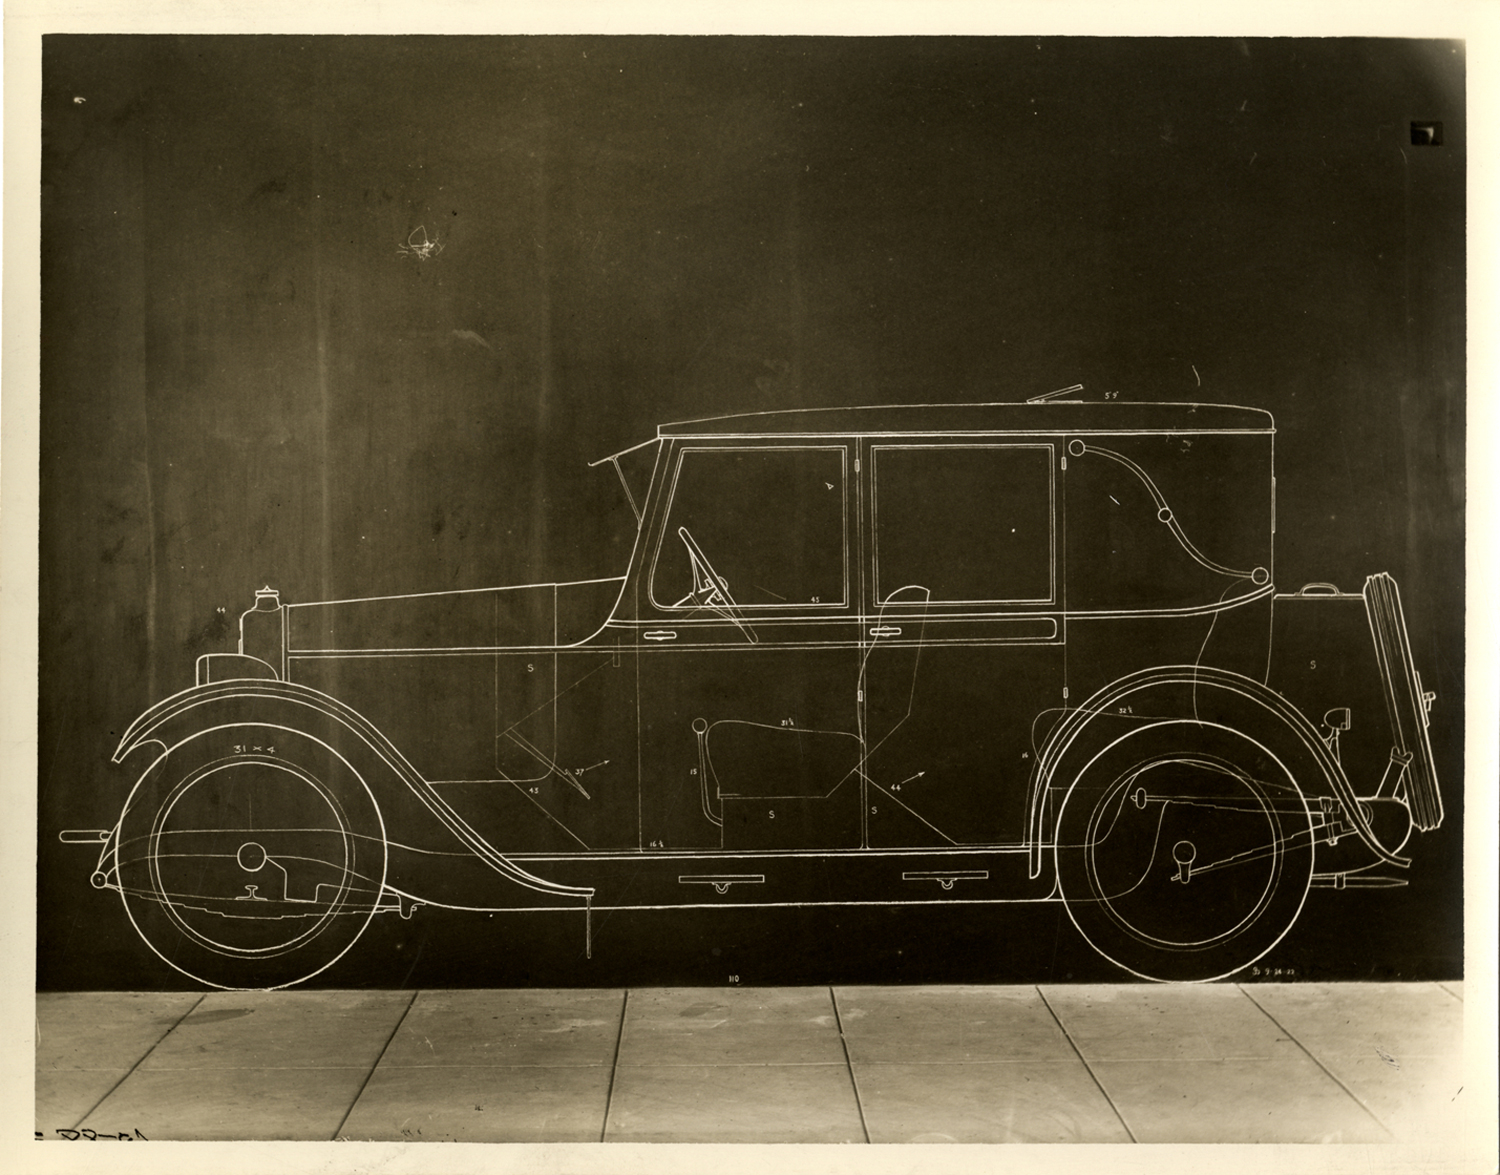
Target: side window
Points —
{"points": [[970, 523], [770, 523]]}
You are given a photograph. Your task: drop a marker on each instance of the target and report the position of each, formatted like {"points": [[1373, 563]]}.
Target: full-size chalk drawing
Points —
{"points": [[976, 654]]}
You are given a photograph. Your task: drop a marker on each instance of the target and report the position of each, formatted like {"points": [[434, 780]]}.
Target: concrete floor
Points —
{"points": [[1218, 1063]]}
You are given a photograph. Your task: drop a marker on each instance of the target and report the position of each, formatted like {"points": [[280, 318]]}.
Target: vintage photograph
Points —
{"points": [[735, 589]]}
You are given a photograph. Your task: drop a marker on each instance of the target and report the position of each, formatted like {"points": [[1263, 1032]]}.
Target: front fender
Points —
{"points": [[1193, 692], [438, 859]]}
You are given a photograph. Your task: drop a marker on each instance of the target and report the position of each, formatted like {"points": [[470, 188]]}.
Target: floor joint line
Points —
{"points": [[838, 1022], [614, 1066], [363, 1085], [1359, 1101], [1089, 1069], [142, 1060]]}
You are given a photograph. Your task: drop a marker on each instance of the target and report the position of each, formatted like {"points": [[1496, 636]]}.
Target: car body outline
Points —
{"points": [[1260, 783]]}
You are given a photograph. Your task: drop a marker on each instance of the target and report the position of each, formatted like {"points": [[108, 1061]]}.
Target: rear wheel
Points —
{"points": [[1184, 851], [251, 856]]}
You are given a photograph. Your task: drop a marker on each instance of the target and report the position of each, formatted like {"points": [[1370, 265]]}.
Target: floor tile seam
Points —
{"points": [[544, 995], [420, 1022], [838, 1023], [1332, 1076], [1202, 1061], [365, 1084], [139, 1062], [1219, 1058], [61, 996], [729, 1138], [1110, 993], [940, 988], [614, 1068], [1094, 1077], [1313, 1047], [1399, 1035], [679, 1058], [1071, 1060], [732, 1065], [1435, 999], [389, 1066], [357, 1068]]}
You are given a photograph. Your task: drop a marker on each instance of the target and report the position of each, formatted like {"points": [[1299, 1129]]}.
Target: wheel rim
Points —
{"points": [[246, 888], [1184, 853]]}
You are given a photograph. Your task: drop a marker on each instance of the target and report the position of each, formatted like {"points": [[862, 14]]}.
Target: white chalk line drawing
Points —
{"points": [[788, 733], [419, 246], [710, 590], [1045, 451], [1164, 513]]}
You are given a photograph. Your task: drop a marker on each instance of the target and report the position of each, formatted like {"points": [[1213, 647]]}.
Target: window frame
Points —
{"points": [[739, 444], [1048, 447]]}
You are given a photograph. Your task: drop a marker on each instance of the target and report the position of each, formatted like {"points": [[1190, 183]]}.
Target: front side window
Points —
{"points": [[970, 523], [755, 528]]}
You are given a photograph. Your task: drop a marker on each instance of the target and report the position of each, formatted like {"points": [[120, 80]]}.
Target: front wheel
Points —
{"points": [[1184, 851], [250, 856]]}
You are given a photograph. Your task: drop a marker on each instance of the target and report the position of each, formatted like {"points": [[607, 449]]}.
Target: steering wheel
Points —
{"points": [[707, 583]]}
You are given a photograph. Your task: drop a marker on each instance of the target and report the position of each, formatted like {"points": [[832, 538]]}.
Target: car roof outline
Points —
{"points": [[1114, 418]]}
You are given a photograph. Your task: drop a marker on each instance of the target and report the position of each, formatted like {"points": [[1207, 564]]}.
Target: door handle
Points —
{"points": [[664, 634], [885, 630]]}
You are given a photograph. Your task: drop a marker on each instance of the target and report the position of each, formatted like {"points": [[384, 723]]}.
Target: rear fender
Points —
{"points": [[438, 859], [1200, 693]]}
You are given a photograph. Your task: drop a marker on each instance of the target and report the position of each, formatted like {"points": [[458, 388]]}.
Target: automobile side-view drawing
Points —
{"points": [[975, 654]]}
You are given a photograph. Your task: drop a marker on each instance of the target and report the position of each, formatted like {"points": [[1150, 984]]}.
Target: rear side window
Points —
{"points": [[772, 522], [970, 523]]}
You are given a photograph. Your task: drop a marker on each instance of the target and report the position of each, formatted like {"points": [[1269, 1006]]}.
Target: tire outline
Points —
{"points": [[147, 780], [1082, 787]]}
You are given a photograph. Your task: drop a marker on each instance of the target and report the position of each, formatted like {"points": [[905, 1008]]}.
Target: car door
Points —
{"points": [[747, 648], [964, 634]]}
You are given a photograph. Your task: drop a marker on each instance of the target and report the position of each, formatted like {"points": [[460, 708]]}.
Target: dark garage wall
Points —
{"points": [[244, 381]]}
